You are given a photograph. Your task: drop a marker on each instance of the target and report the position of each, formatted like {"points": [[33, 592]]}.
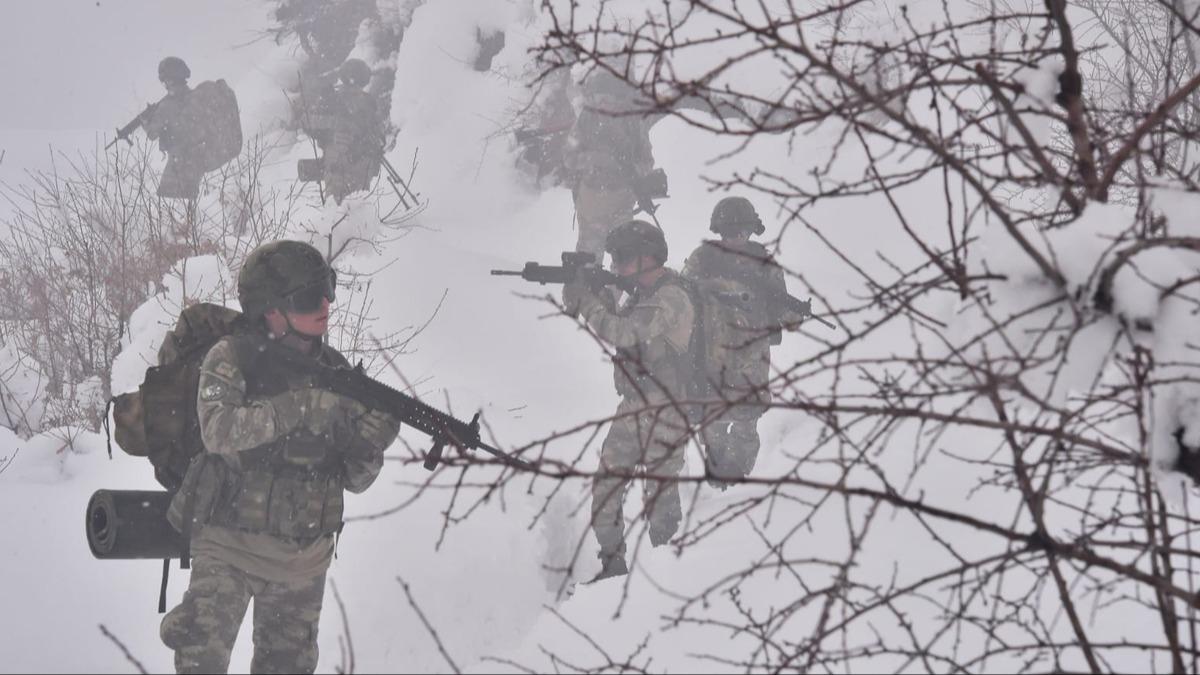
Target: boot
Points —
{"points": [[613, 565]]}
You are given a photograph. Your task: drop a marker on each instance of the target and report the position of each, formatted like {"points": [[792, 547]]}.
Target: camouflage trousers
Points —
{"points": [[202, 629], [180, 179], [731, 448], [598, 211], [656, 441]]}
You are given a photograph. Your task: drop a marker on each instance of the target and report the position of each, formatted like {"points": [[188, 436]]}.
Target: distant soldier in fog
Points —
{"points": [[199, 129], [609, 160], [355, 147], [652, 333], [167, 125], [607, 156]]}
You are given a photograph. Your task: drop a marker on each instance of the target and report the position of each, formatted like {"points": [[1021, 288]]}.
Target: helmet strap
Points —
{"points": [[307, 342]]}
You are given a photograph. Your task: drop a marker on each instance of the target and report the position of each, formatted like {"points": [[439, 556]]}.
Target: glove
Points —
{"points": [[573, 296], [317, 409], [376, 427]]}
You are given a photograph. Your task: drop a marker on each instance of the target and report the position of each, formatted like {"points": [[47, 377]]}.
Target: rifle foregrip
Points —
{"points": [[434, 457]]}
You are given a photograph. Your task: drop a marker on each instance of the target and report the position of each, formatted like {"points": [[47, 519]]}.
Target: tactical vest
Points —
{"points": [[291, 488], [670, 375]]}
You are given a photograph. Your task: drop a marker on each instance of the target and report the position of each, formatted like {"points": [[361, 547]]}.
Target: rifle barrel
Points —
{"points": [[506, 273], [506, 458]]}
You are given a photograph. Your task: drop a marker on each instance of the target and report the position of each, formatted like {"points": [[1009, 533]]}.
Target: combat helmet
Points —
{"points": [[735, 213], [284, 275], [637, 237], [355, 72], [173, 69]]}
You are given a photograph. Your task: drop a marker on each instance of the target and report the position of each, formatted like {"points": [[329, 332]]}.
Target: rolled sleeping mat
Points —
{"points": [[132, 525]]}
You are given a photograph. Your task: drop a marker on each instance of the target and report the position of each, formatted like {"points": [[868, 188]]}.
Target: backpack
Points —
{"points": [[729, 351], [214, 127], [159, 420]]}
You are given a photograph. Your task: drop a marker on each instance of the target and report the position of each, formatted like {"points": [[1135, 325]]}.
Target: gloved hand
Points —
{"points": [[376, 427], [574, 294], [319, 410]]}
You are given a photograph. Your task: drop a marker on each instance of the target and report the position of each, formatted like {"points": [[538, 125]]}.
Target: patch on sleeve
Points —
{"points": [[225, 370], [213, 391]]}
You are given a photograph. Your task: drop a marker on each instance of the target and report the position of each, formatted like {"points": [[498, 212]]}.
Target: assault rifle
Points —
{"points": [[439, 426], [574, 265], [124, 132], [785, 302]]}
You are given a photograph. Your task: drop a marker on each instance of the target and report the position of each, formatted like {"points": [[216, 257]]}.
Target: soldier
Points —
{"points": [[609, 158], [355, 149], [199, 129], [264, 502], [745, 269], [168, 125], [606, 153], [652, 332]]}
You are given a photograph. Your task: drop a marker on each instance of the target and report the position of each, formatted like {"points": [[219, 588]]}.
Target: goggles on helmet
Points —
{"points": [[308, 298]]}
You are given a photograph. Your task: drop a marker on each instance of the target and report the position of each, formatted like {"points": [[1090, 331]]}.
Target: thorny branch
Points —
{"points": [[987, 397]]}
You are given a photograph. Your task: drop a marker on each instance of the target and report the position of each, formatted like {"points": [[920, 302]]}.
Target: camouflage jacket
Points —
{"points": [[277, 461], [652, 333], [605, 151], [166, 123]]}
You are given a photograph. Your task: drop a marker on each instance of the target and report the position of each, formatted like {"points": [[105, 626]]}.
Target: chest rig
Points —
{"points": [[292, 487]]}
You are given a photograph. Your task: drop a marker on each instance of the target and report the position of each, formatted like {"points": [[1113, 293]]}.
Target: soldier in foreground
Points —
{"points": [[651, 332], [264, 502]]}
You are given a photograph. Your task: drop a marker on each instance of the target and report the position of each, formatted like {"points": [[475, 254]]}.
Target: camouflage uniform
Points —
{"points": [[605, 154], [651, 333], [264, 504], [355, 150], [731, 439], [168, 125]]}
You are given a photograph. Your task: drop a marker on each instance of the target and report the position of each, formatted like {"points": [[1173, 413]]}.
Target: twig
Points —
{"points": [[441, 648], [124, 650], [344, 641]]}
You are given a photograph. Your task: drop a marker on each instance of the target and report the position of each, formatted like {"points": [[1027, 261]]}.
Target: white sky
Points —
{"points": [[63, 92]]}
